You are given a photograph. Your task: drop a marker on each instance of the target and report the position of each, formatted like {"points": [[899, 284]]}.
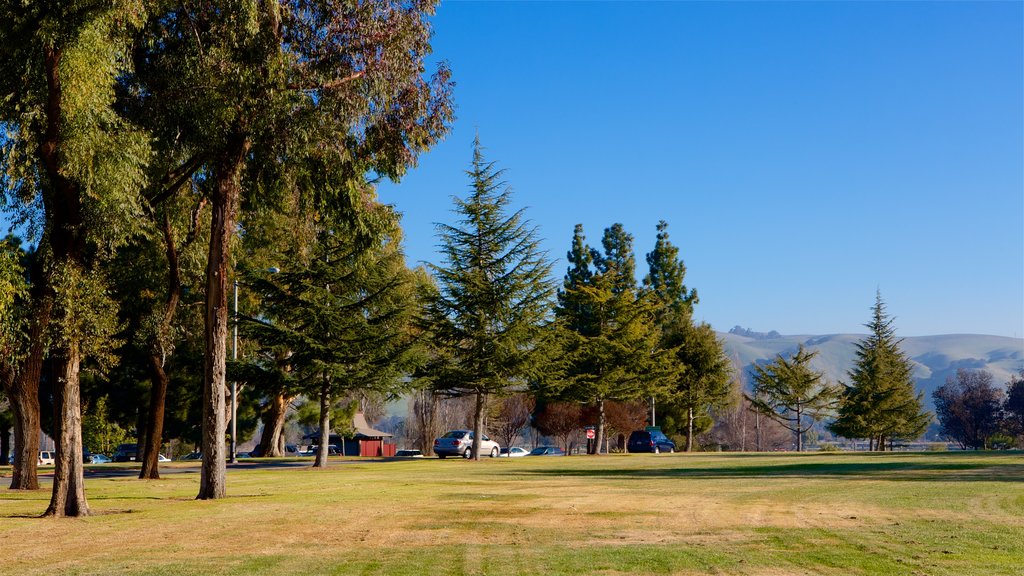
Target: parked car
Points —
{"points": [[162, 458], [547, 451], [98, 459], [514, 452], [332, 450], [126, 453], [650, 441], [409, 454], [192, 456], [460, 443], [46, 457]]}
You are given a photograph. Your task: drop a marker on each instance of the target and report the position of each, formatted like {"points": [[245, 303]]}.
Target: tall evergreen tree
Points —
{"points": [[666, 275], [880, 402], [494, 295], [792, 393], [697, 376], [343, 314], [607, 329]]}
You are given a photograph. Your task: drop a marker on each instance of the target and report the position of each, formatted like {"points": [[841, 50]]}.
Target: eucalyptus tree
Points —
{"points": [[255, 88], [493, 297], [607, 329], [71, 155], [793, 394], [881, 402], [13, 294]]}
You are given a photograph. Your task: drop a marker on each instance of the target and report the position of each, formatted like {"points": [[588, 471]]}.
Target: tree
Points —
{"points": [[880, 402], [512, 417], [563, 420], [74, 156], [607, 331], [968, 408], [1013, 407], [344, 315], [792, 393], [493, 296], [701, 383], [334, 90]]}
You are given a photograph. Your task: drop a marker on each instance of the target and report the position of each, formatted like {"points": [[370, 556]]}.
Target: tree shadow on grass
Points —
{"points": [[909, 471]]}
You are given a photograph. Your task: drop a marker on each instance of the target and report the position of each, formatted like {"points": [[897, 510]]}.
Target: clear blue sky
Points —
{"points": [[803, 153]]}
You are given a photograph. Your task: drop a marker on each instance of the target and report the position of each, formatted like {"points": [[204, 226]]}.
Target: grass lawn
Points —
{"points": [[760, 514]]}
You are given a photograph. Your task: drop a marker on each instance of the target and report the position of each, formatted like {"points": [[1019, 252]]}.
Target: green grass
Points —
{"points": [[758, 514]]}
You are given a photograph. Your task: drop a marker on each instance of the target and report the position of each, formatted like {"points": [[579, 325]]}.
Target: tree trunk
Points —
{"points": [[155, 423], [272, 441], [68, 497], [799, 434], [600, 427], [325, 426], [158, 395], [5, 443], [212, 482], [757, 429], [25, 406], [478, 423], [689, 429]]}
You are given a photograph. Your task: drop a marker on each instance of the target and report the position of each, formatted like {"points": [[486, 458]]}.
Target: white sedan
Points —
{"points": [[514, 452]]}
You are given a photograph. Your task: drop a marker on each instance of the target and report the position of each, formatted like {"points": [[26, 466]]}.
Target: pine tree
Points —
{"points": [[494, 296], [792, 393], [607, 329], [344, 315], [697, 377], [880, 402]]}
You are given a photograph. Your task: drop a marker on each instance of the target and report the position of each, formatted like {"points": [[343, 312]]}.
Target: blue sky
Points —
{"points": [[804, 154]]}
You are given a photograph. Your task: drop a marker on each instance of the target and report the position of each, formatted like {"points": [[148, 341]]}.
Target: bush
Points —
{"points": [[828, 447]]}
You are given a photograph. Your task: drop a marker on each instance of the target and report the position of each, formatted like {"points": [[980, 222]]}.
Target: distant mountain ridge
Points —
{"points": [[935, 357]]}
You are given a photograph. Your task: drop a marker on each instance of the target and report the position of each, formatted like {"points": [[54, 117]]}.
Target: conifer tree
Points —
{"points": [[880, 402], [344, 315], [792, 393], [697, 370], [493, 299], [607, 329]]}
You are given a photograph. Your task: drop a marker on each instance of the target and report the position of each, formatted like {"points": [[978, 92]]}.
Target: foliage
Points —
{"points": [[791, 392], [487, 319], [880, 402], [607, 330], [511, 417], [562, 420], [1013, 407], [99, 433], [968, 408]]}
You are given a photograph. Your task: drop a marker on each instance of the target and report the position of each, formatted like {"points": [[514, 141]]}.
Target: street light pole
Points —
{"points": [[234, 383]]}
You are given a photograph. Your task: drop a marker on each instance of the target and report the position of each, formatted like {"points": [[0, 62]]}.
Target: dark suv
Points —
{"points": [[650, 441], [126, 453]]}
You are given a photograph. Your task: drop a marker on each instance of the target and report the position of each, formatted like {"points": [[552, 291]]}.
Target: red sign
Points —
{"points": [[591, 434]]}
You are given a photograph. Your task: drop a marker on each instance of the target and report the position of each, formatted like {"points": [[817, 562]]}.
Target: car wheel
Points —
{"points": [[442, 456], [671, 450], [494, 452], [657, 450], [468, 453]]}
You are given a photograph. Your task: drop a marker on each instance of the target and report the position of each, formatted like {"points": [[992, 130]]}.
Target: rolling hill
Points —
{"points": [[935, 357]]}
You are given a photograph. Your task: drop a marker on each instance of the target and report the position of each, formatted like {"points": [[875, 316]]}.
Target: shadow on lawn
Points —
{"points": [[896, 471]]}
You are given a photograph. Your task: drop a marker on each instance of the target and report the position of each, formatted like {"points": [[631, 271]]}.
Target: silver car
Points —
{"points": [[460, 443]]}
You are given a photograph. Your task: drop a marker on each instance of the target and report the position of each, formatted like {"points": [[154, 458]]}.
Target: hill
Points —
{"points": [[935, 357]]}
